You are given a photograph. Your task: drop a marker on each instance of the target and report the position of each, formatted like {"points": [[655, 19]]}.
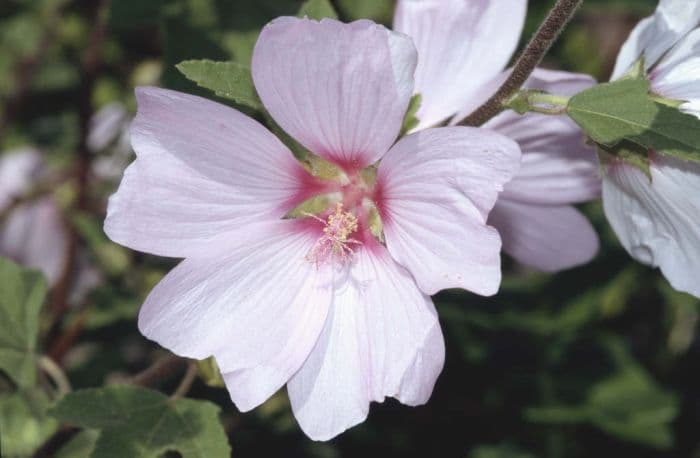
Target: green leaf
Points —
{"points": [[498, 451], [410, 120], [625, 110], [377, 10], [142, 423], [81, 446], [628, 405], [24, 425], [230, 80], [113, 258], [317, 9], [22, 296], [631, 406]]}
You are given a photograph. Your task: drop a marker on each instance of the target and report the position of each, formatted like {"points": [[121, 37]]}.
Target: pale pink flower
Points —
{"points": [[108, 139], [318, 302], [657, 216], [34, 233], [463, 48]]}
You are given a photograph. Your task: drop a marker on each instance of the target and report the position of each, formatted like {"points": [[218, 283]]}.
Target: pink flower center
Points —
{"points": [[345, 222]]}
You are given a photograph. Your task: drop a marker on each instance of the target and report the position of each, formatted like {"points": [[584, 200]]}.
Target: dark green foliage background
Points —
{"points": [[597, 361]]}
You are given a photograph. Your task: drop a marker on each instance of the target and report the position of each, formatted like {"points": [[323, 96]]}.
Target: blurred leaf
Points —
{"points": [[142, 423], [498, 451], [131, 14], [230, 80], [377, 10], [631, 406], [24, 425], [112, 257], [317, 9], [81, 446], [625, 110], [628, 405], [22, 296]]}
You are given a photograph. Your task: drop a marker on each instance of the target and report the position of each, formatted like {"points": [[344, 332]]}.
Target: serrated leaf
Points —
{"points": [[230, 80], [625, 110], [317, 9], [142, 423], [22, 295]]}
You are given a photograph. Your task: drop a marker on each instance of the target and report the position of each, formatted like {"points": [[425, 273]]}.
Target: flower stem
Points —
{"points": [[186, 382], [531, 101], [56, 374], [537, 48]]}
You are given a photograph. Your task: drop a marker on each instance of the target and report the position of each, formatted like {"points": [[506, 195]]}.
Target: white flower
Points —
{"points": [[657, 216]]}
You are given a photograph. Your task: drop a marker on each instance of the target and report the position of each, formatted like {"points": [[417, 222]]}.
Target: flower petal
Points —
{"points": [[34, 235], [461, 44], [251, 300], [678, 74], [382, 338], [341, 90], [201, 169], [657, 222], [549, 238], [18, 168], [436, 188], [558, 167], [658, 33], [106, 126]]}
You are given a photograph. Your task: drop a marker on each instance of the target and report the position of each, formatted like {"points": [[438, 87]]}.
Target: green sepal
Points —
{"points": [[312, 206], [210, 373], [638, 70], [410, 120], [629, 153]]}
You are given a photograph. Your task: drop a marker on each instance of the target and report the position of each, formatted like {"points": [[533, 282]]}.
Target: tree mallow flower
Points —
{"points": [[463, 47], [655, 215], [326, 301]]}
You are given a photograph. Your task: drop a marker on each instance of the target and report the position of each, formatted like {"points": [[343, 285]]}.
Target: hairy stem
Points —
{"points": [[537, 48]]}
